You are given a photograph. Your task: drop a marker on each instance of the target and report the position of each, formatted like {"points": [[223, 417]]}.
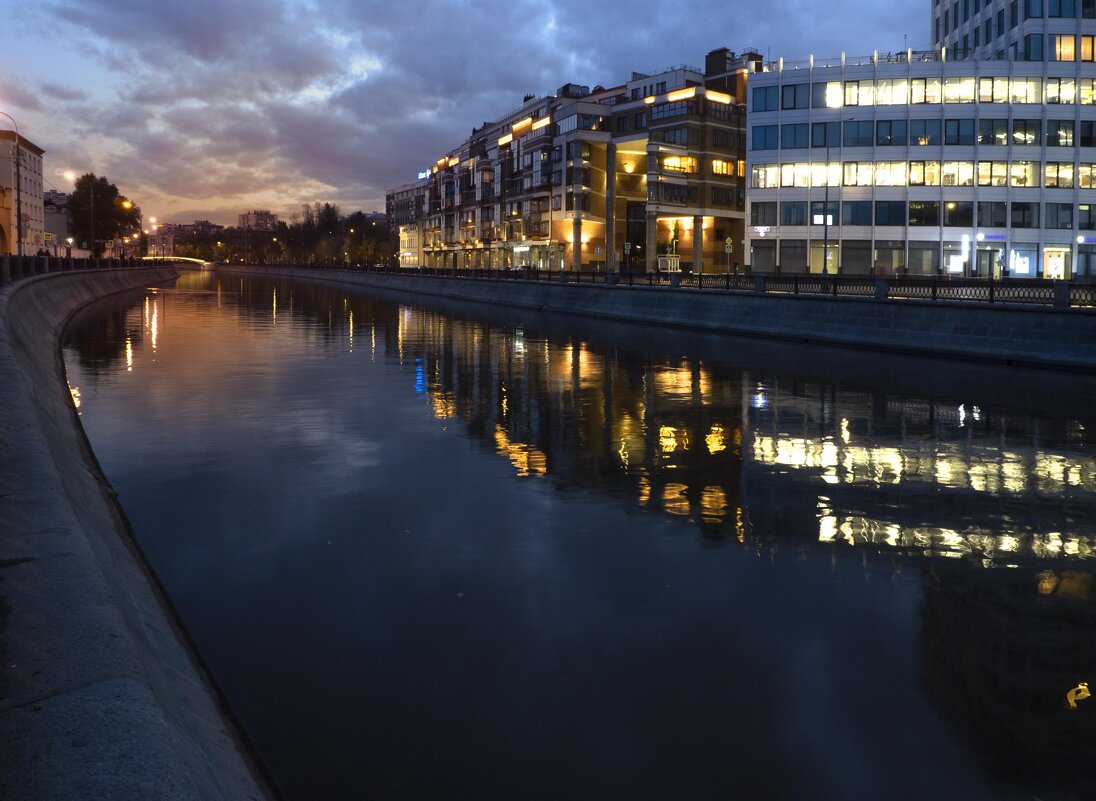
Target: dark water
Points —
{"points": [[445, 552]]}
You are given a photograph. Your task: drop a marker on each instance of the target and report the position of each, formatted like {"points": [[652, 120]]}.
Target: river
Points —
{"points": [[441, 551]]}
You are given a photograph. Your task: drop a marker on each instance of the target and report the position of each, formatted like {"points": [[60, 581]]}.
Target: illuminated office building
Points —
{"points": [[975, 159]]}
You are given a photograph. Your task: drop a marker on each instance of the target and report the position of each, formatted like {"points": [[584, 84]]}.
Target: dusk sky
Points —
{"points": [[207, 108]]}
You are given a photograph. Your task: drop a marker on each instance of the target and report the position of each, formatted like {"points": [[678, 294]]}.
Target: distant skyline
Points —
{"points": [[209, 108]]}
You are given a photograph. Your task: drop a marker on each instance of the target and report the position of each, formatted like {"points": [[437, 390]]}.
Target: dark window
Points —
{"points": [[1001, 22], [959, 132], [890, 212], [858, 134], [825, 134], [1086, 217], [856, 212], [959, 214], [1059, 216], [1088, 9], [765, 137], [765, 98], [890, 132], [763, 213], [924, 132], [1033, 9], [1025, 215], [1033, 47], [992, 132], [793, 212], [793, 135], [641, 120], [1087, 134], [923, 212], [722, 197], [1014, 13], [795, 95], [991, 214]]}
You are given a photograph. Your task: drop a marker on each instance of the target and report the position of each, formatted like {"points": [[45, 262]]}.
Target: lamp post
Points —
{"points": [[826, 213], [18, 187]]}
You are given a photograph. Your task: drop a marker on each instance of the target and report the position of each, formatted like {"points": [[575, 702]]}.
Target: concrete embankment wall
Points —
{"points": [[1002, 333], [100, 696]]}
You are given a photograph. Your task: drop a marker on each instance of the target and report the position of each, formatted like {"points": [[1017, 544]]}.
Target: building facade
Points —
{"points": [[977, 163], [27, 198], [602, 179], [259, 220], [1015, 30]]}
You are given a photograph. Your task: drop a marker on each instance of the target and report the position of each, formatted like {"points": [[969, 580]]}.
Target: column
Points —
{"points": [[698, 244], [610, 208], [576, 234], [652, 241]]}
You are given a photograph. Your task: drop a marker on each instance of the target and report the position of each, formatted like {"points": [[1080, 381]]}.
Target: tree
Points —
{"points": [[96, 202]]}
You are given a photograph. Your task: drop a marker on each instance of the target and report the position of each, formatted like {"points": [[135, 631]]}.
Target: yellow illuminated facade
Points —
{"points": [[587, 180]]}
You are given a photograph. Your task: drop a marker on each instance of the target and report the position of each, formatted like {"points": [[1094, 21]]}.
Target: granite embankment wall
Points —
{"points": [[100, 695], [1014, 334]]}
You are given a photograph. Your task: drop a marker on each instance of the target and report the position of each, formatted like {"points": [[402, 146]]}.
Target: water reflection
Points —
{"points": [[986, 509]]}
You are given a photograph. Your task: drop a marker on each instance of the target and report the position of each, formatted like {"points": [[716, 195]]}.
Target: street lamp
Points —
{"points": [[18, 187]]}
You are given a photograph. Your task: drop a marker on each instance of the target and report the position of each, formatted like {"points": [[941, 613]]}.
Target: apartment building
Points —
{"points": [[258, 220], [592, 179], [21, 160]]}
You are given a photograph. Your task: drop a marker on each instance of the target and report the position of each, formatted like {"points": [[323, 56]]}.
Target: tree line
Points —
{"points": [[318, 234]]}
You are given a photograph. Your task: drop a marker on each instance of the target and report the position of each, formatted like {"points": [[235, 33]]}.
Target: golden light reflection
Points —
{"points": [[713, 504], [75, 392], [857, 530], [129, 354], [154, 326], [667, 439], [1078, 693], [674, 499], [1047, 582], [274, 306], [715, 439], [644, 490], [623, 453], [528, 460], [443, 406], [989, 470], [351, 330]]}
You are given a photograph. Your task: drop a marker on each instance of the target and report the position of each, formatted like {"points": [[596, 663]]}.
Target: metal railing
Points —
{"points": [[16, 268], [1029, 292]]}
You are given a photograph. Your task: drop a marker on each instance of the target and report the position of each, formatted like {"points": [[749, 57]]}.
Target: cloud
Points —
{"points": [[56, 92], [215, 102]]}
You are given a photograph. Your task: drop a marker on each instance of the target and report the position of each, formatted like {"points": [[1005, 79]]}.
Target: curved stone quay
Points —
{"points": [[100, 694]]}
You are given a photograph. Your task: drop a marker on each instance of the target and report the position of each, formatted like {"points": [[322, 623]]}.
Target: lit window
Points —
{"points": [[1023, 174], [721, 167], [1064, 47]]}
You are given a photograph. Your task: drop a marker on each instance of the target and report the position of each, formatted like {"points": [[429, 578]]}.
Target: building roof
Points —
{"points": [[23, 142]]}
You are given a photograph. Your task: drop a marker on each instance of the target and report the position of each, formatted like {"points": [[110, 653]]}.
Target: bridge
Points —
{"points": [[174, 259]]}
